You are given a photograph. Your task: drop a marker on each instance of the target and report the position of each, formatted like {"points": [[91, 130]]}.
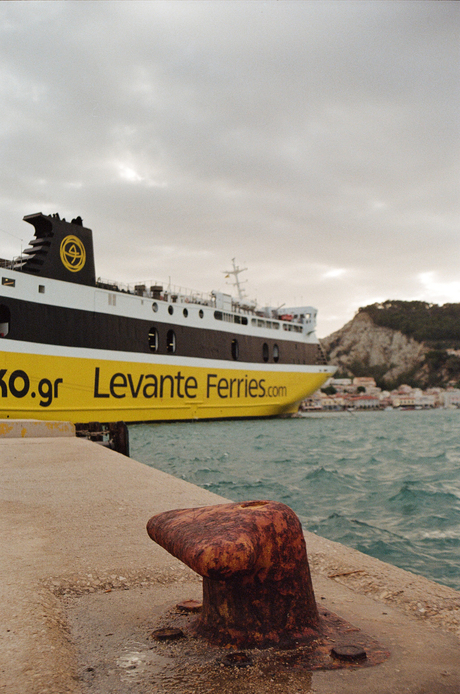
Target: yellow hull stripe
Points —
{"points": [[37, 386]]}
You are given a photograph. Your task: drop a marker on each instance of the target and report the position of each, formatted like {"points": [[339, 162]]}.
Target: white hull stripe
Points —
{"points": [[16, 347]]}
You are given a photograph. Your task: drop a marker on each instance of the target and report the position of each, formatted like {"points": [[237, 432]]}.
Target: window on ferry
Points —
{"points": [[185, 312], [4, 320], [153, 339], [171, 342], [276, 353], [154, 307], [201, 313], [235, 349], [265, 353], [170, 310], [218, 315]]}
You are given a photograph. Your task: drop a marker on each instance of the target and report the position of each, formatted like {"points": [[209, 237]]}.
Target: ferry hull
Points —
{"points": [[87, 388]]}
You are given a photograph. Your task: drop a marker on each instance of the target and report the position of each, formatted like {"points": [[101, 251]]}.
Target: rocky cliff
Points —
{"points": [[362, 348]]}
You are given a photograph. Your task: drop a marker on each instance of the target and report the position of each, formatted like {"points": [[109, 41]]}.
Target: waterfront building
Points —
{"points": [[450, 398]]}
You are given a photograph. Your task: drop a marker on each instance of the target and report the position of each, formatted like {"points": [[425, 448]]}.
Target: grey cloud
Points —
{"points": [[300, 136]]}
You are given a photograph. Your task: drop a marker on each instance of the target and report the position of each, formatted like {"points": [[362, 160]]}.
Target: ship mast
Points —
{"points": [[235, 272]]}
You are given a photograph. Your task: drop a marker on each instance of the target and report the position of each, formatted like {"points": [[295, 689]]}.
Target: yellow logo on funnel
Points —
{"points": [[73, 254]]}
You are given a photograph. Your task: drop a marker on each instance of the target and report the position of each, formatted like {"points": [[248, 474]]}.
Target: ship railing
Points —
{"points": [[157, 290], [7, 264], [15, 264], [112, 285], [169, 292], [290, 319]]}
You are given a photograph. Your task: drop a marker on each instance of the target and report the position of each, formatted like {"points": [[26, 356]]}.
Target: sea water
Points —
{"points": [[386, 483]]}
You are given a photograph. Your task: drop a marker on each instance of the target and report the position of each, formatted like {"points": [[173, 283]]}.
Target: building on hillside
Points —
{"points": [[425, 401], [364, 402], [313, 403], [343, 385], [437, 393], [385, 400], [403, 400], [364, 381], [450, 398]]}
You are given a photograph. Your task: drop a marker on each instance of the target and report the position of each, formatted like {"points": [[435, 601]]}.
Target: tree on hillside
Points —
{"points": [[430, 323]]}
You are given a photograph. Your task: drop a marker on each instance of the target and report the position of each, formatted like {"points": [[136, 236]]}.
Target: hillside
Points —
{"points": [[397, 342]]}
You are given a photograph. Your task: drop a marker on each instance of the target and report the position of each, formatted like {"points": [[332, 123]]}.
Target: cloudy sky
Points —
{"points": [[317, 142]]}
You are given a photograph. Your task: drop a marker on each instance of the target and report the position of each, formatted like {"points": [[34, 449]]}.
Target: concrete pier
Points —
{"points": [[82, 586]]}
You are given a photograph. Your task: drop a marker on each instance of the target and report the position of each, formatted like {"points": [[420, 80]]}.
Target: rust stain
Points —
{"points": [[257, 588], [5, 428]]}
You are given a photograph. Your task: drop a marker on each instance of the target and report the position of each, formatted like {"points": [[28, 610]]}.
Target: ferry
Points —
{"points": [[78, 348]]}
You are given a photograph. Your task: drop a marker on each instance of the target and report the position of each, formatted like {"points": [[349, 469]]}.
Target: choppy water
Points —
{"points": [[385, 483]]}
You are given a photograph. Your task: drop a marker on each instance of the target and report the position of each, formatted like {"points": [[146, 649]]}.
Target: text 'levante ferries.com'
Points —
{"points": [[119, 385]]}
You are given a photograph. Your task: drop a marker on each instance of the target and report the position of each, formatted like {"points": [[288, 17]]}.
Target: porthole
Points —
{"points": [[265, 352], [5, 317], [185, 312], [201, 313], [235, 349], [171, 342], [276, 353], [154, 307], [170, 310], [153, 339]]}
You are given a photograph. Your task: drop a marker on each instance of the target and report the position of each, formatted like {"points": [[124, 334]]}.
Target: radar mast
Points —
{"points": [[235, 272]]}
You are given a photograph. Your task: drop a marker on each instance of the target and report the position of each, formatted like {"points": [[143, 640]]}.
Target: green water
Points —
{"points": [[385, 483]]}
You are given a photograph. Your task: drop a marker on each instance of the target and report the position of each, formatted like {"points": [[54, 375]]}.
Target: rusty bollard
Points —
{"points": [[257, 589]]}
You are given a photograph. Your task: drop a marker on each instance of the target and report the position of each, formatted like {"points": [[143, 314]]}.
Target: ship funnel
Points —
{"points": [[60, 250]]}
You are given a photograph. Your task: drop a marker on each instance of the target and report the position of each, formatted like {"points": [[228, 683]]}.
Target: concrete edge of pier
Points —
{"points": [[34, 428], [73, 518]]}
